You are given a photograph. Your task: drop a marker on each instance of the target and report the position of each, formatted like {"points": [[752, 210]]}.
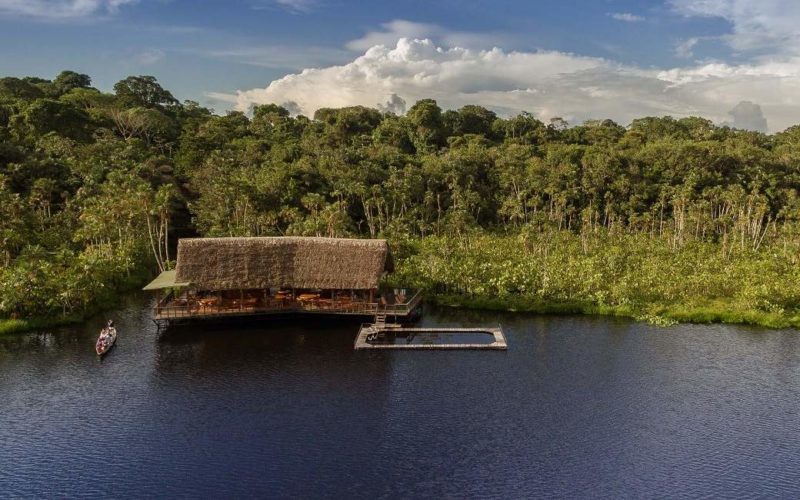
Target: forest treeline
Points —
{"points": [[646, 219]]}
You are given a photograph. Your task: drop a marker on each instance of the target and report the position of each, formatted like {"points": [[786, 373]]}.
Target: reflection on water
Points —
{"points": [[400, 337], [577, 406]]}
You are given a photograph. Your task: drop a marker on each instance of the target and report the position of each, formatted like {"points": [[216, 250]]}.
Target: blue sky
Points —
{"points": [[578, 59]]}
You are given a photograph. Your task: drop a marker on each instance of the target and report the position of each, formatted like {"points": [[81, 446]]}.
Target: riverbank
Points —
{"points": [[9, 326], [637, 275], [712, 312], [661, 316], [109, 297]]}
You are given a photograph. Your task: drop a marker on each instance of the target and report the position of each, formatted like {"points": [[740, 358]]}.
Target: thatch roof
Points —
{"points": [[164, 280], [290, 262]]}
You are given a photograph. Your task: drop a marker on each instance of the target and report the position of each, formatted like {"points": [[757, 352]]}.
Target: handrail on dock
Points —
{"points": [[404, 308], [170, 307]]}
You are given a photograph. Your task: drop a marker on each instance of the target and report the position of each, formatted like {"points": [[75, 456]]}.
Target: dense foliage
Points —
{"points": [[658, 215], [630, 274]]}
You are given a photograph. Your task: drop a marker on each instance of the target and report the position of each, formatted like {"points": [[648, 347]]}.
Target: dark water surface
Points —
{"points": [[392, 337], [577, 407]]}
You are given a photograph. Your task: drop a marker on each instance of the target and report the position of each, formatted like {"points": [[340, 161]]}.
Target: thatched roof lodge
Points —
{"points": [[266, 275], [282, 262]]}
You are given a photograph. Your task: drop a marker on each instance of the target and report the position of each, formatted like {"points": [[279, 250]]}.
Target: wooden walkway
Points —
{"points": [[366, 331]]}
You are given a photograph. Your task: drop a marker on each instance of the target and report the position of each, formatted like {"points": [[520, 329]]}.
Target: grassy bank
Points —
{"points": [[713, 312], [632, 275], [8, 326]]}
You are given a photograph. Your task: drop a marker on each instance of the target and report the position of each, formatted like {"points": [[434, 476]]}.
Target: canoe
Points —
{"points": [[106, 340]]}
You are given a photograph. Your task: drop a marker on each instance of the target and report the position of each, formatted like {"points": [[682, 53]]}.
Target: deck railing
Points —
{"points": [[403, 308], [187, 307]]}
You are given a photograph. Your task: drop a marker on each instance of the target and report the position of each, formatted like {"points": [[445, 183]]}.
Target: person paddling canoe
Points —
{"points": [[107, 338]]}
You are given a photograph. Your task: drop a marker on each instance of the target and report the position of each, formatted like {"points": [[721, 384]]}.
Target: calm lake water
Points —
{"points": [[577, 407]]}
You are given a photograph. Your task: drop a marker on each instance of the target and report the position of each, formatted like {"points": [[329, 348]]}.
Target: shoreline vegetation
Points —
{"points": [[661, 220], [109, 298], [637, 276], [710, 313]]}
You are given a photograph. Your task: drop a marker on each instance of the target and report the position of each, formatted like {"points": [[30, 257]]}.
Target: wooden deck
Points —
{"points": [[182, 308], [366, 331]]}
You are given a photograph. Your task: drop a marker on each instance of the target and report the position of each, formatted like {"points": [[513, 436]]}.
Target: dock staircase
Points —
{"points": [[379, 326], [380, 320]]}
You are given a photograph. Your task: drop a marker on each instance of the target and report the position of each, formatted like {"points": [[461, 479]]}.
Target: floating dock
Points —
{"points": [[368, 334]]}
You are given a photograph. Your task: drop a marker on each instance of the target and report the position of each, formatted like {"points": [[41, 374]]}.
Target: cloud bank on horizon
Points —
{"points": [[409, 61]]}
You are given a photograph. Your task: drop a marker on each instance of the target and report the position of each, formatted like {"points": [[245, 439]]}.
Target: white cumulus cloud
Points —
{"points": [[390, 32], [756, 24], [60, 9], [545, 83]]}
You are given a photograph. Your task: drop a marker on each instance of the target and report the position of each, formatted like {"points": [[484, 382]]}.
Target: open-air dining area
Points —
{"points": [[241, 302]]}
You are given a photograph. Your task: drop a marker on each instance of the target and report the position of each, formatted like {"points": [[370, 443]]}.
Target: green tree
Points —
{"points": [[69, 80], [48, 115], [144, 91], [428, 132]]}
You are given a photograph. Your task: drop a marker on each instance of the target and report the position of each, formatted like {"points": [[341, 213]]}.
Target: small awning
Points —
{"points": [[164, 280]]}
